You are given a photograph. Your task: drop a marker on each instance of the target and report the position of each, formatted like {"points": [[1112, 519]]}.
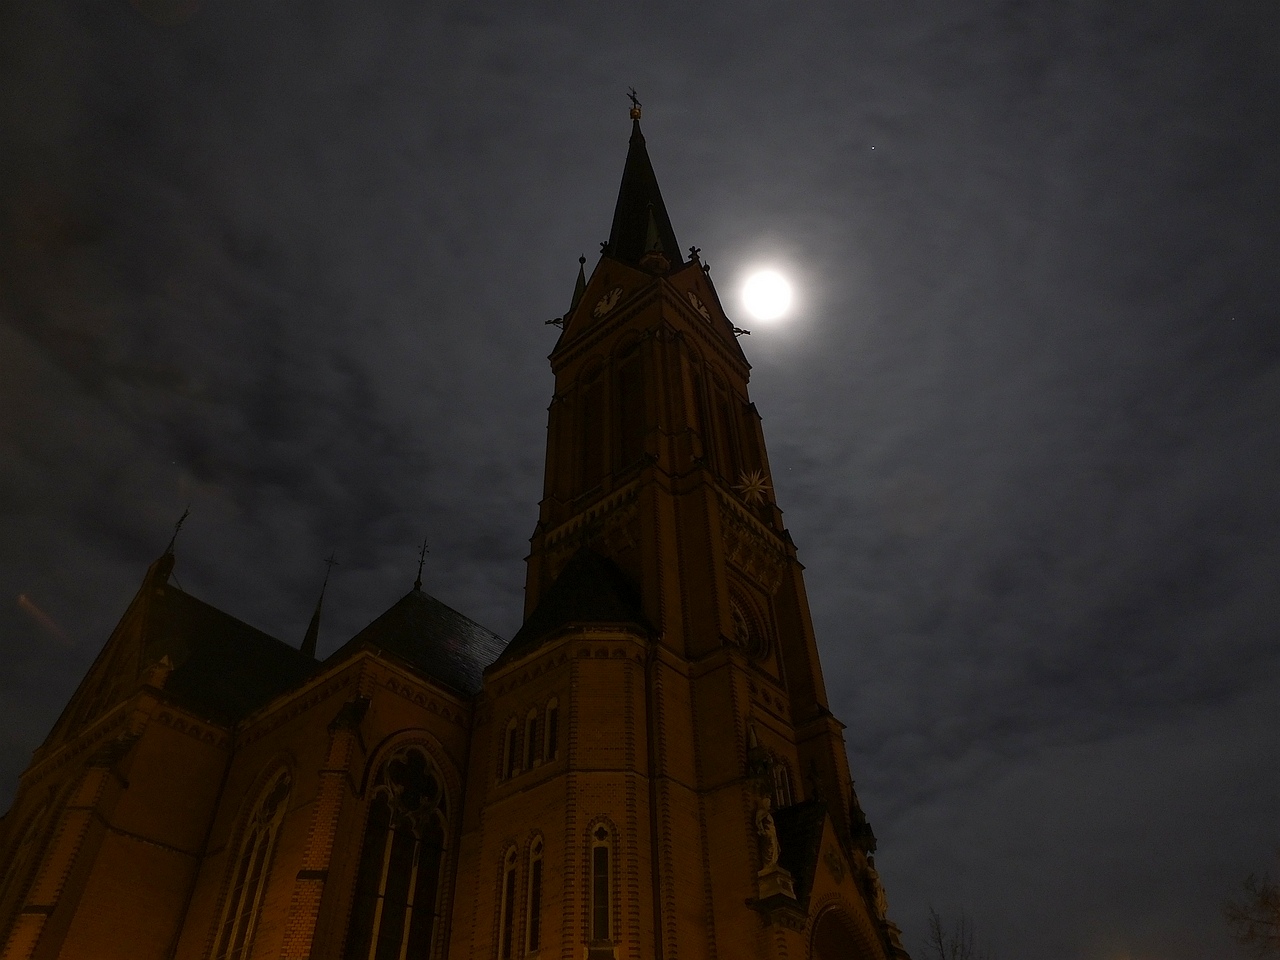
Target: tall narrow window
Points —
{"points": [[511, 750], [698, 415], [532, 742], [507, 909], [631, 414], [552, 749], [601, 908], [251, 870], [533, 921], [592, 450], [781, 784], [398, 880], [726, 444], [750, 431]]}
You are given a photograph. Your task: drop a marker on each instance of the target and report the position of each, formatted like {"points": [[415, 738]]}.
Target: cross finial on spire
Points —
{"points": [[422, 558], [635, 104], [176, 527], [330, 562]]}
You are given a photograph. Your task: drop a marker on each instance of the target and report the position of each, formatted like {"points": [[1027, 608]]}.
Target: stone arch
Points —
{"points": [[628, 343], [837, 934], [409, 822], [420, 737], [748, 630], [248, 872]]}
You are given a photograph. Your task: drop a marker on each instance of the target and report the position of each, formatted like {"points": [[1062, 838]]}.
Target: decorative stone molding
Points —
{"points": [[196, 729], [834, 863], [612, 520], [422, 699], [288, 710], [750, 546]]}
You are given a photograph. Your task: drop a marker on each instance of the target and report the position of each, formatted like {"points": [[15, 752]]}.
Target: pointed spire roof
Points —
{"points": [[312, 636], [640, 221], [591, 589], [313, 628], [580, 286]]}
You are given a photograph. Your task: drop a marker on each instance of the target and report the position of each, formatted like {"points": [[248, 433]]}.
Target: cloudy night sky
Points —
{"points": [[289, 263]]}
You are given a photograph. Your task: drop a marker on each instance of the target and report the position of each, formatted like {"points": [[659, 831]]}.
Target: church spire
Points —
{"points": [[422, 559], [639, 204], [313, 628], [162, 566]]}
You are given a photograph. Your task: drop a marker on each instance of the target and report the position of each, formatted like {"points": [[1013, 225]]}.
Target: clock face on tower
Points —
{"points": [[696, 302], [607, 302]]}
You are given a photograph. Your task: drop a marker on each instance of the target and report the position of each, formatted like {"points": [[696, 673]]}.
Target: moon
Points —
{"points": [[766, 295]]}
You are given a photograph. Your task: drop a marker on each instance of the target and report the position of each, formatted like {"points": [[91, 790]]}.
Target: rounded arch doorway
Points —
{"points": [[837, 936]]}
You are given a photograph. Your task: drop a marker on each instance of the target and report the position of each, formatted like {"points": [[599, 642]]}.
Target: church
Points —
{"points": [[647, 769]]}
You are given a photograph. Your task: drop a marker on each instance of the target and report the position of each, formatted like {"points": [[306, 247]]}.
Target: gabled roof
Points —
{"points": [[223, 669], [589, 590], [640, 221], [430, 637]]}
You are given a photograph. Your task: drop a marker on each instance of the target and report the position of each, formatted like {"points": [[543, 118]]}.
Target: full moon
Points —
{"points": [[766, 295]]}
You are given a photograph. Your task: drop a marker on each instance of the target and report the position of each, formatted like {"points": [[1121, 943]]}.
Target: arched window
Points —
{"points": [[551, 749], [511, 750], [533, 906], [252, 867], [507, 906], [21, 861], [532, 742], [745, 631], [781, 785], [398, 880], [601, 884]]}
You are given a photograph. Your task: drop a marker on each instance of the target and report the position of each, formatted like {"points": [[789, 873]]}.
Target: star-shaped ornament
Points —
{"points": [[752, 486]]}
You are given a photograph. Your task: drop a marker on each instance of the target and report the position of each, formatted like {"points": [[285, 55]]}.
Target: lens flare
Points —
{"points": [[766, 295]]}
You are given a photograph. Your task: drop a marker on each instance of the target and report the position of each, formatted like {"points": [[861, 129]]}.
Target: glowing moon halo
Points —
{"points": [[766, 295]]}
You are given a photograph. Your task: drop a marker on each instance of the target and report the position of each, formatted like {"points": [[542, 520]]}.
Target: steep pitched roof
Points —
{"points": [[640, 221], [223, 669], [589, 590], [430, 637]]}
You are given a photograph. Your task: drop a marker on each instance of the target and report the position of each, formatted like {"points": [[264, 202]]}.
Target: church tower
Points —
{"points": [[655, 770], [648, 770]]}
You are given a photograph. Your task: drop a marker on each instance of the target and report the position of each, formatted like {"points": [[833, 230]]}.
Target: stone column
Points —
{"points": [[335, 785]]}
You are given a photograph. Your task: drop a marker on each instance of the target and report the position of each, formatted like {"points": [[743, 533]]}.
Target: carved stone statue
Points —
{"points": [[768, 833], [880, 903]]}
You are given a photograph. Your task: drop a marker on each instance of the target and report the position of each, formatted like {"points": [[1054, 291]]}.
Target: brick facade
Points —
{"points": [[650, 763]]}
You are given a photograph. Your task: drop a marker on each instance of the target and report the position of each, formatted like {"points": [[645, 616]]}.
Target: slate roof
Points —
{"points": [[223, 669], [638, 196], [430, 637], [589, 590]]}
